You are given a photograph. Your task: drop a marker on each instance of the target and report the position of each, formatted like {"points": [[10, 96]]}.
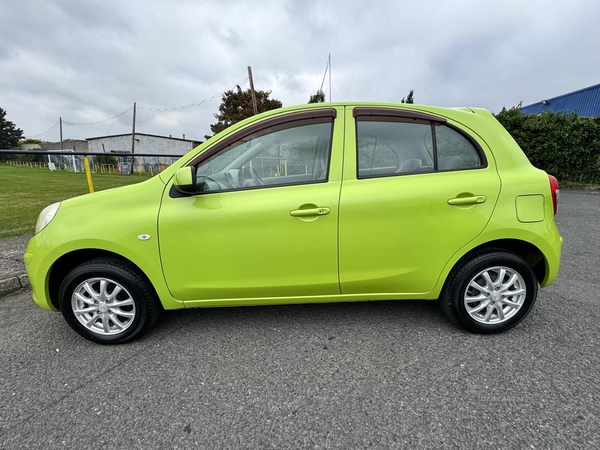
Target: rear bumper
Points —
{"points": [[550, 243]]}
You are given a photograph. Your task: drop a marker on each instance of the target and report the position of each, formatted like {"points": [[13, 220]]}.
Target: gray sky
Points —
{"points": [[89, 60]]}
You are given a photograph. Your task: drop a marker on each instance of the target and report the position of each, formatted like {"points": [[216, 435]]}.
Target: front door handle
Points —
{"points": [[458, 201], [321, 211]]}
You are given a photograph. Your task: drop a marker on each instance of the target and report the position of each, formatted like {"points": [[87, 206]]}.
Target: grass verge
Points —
{"points": [[24, 192]]}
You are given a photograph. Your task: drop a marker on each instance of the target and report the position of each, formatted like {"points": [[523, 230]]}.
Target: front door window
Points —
{"points": [[294, 155]]}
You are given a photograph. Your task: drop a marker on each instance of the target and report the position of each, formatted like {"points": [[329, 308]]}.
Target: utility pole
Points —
{"points": [[254, 107], [61, 141], [133, 138], [329, 63], [133, 131]]}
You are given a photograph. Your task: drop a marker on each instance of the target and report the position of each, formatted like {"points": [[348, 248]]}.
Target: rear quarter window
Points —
{"points": [[454, 150]]}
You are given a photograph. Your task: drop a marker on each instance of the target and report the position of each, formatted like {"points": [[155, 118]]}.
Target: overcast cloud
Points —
{"points": [[89, 60]]}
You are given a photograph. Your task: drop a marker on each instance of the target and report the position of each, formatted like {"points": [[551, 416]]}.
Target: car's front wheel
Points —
{"points": [[108, 301], [490, 292]]}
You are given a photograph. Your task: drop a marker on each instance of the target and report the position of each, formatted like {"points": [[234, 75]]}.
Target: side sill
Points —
{"points": [[219, 303]]}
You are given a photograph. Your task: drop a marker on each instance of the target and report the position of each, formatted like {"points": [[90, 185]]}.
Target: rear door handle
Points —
{"points": [[467, 200], [321, 211]]}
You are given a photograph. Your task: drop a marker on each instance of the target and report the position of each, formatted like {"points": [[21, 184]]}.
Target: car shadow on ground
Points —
{"points": [[395, 314]]}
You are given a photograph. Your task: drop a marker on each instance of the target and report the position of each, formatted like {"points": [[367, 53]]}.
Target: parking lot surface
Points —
{"points": [[379, 374]]}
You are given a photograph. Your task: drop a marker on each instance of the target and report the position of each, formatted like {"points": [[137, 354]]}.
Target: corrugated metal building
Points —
{"points": [[586, 101]]}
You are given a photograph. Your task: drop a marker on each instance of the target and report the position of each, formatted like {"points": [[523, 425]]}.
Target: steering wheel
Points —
{"points": [[256, 177], [229, 179], [241, 179]]}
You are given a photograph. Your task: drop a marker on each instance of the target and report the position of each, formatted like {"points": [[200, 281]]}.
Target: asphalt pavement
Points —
{"points": [[379, 374], [12, 267]]}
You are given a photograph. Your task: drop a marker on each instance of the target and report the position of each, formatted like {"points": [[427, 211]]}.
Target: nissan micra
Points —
{"points": [[314, 203]]}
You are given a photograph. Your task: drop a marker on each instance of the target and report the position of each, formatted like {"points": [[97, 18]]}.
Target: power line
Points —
{"points": [[98, 121], [175, 108], [39, 134], [208, 99], [324, 75]]}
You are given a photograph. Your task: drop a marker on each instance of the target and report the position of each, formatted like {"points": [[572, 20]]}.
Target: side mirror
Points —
{"points": [[185, 181]]}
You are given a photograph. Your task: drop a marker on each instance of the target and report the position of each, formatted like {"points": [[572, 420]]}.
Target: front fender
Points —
{"points": [[111, 221]]}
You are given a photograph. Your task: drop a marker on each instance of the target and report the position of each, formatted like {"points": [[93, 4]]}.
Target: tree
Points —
{"points": [[9, 133], [409, 98], [237, 106], [319, 97]]}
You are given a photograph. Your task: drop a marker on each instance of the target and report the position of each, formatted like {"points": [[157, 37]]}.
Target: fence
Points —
{"points": [[121, 163]]}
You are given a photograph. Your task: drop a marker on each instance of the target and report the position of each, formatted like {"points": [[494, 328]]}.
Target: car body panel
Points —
{"points": [[207, 253]]}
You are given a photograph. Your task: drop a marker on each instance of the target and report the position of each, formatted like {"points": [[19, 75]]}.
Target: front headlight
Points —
{"points": [[46, 216]]}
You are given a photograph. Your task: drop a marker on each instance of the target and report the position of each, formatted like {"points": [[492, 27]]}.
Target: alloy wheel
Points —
{"points": [[495, 295], [103, 306]]}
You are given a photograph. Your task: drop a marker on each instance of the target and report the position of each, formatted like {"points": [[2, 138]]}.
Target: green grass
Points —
{"points": [[24, 192]]}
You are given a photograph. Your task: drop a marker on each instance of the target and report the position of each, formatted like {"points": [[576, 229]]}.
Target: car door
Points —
{"points": [[416, 189], [265, 224]]}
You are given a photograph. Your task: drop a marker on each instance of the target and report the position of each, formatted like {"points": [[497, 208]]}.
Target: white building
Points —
{"points": [[77, 145], [144, 144]]}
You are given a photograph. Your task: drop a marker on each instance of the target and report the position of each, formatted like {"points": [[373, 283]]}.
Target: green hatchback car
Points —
{"points": [[316, 203]]}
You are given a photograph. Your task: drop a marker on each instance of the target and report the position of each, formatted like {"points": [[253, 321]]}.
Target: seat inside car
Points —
{"points": [[410, 165], [449, 163]]}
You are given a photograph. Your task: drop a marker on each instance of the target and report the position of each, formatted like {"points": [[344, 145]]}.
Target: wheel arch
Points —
{"points": [[485, 312], [526, 250], [67, 262]]}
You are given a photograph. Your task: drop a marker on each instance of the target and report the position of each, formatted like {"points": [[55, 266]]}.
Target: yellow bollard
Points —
{"points": [[88, 174]]}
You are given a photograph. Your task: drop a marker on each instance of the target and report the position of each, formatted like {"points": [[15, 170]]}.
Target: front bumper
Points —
{"points": [[38, 262]]}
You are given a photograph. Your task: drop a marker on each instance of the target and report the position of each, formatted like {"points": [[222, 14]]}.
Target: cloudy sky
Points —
{"points": [[86, 61]]}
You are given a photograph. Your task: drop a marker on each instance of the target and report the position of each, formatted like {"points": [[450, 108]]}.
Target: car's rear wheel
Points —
{"points": [[490, 292], [108, 301]]}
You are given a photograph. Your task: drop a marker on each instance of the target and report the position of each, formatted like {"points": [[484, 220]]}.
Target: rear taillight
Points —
{"points": [[555, 189]]}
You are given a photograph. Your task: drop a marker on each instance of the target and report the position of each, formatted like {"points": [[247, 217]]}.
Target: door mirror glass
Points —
{"points": [[185, 180]]}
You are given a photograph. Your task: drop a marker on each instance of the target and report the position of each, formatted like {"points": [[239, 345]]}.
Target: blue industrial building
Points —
{"points": [[586, 101]]}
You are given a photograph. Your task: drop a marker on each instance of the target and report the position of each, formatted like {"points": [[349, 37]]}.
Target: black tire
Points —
{"points": [[135, 306], [490, 261]]}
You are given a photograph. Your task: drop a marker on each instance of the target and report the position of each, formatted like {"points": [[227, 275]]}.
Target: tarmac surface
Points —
{"points": [[378, 374], [12, 267]]}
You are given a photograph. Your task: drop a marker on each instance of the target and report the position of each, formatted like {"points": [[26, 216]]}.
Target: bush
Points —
{"points": [[109, 160], [30, 158], [565, 145]]}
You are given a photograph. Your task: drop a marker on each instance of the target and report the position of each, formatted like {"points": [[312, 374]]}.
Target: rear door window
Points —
{"points": [[388, 146]]}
